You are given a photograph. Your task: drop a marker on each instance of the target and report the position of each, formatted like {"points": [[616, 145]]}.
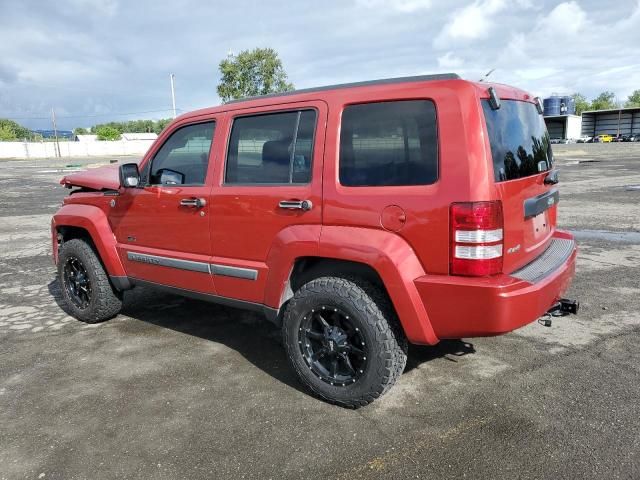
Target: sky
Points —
{"points": [[95, 61]]}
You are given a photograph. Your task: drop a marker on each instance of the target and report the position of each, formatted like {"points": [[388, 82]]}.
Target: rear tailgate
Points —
{"points": [[522, 158]]}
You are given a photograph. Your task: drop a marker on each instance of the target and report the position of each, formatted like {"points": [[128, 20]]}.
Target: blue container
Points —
{"points": [[551, 106], [569, 106]]}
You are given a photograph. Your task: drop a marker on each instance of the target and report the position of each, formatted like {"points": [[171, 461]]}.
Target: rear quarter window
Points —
{"points": [[389, 144]]}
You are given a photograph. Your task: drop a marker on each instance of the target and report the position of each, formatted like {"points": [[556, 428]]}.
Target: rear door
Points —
{"points": [[522, 159], [271, 179]]}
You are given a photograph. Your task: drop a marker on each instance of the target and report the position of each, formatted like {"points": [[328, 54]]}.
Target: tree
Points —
{"points": [[604, 101], [252, 72], [80, 131], [633, 100], [161, 124], [10, 130], [582, 103], [107, 132]]}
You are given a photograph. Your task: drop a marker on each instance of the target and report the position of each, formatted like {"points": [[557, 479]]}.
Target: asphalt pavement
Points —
{"points": [[178, 388]]}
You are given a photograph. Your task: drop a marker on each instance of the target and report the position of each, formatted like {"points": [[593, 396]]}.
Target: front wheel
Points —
{"points": [[85, 286], [343, 340]]}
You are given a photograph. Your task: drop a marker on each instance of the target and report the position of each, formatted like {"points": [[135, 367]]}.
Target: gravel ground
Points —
{"points": [[177, 388]]}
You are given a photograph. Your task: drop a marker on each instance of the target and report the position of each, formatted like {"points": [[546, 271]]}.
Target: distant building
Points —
{"points": [[86, 138], [559, 115], [615, 121], [139, 136], [564, 127], [68, 134]]}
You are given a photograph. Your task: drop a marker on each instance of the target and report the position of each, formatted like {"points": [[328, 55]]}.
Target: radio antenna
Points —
{"points": [[487, 75]]}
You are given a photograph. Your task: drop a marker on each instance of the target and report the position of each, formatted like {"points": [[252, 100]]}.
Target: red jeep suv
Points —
{"points": [[358, 217]]}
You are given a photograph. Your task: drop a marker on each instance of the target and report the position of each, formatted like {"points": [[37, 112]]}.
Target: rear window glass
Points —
{"points": [[389, 143], [274, 148], [520, 144]]}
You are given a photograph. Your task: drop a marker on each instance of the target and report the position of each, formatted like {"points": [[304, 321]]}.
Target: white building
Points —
{"points": [[565, 127]]}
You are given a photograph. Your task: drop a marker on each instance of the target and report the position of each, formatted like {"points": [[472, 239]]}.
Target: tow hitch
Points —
{"points": [[563, 307]]}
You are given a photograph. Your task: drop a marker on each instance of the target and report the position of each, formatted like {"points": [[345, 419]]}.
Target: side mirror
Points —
{"points": [[129, 175]]}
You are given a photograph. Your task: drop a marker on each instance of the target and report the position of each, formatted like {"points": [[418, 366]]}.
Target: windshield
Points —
{"points": [[520, 144]]}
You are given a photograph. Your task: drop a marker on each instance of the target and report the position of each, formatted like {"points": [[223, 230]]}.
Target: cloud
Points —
{"points": [[404, 6], [449, 60], [471, 22]]}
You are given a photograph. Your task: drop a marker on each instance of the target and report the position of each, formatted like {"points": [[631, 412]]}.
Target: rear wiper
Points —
{"points": [[551, 178]]}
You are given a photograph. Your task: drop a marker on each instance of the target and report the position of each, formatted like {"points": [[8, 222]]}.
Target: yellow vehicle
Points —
{"points": [[605, 138]]}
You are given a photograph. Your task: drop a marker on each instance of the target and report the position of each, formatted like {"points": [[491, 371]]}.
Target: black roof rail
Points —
{"points": [[382, 81]]}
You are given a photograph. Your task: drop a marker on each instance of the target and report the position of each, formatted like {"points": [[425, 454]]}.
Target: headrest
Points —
{"points": [[276, 151]]}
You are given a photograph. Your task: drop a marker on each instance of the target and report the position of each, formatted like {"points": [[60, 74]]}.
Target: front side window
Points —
{"points": [[275, 148], [520, 144], [389, 144], [183, 159]]}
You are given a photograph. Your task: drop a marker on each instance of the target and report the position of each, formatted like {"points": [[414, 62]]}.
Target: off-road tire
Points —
{"points": [[105, 301], [372, 310]]}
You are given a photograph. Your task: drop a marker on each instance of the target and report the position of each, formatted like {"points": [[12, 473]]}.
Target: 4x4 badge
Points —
{"points": [[513, 249]]}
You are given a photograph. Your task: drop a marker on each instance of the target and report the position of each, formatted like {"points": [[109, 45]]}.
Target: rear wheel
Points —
{"points": [[85, 286], [343, 340]]}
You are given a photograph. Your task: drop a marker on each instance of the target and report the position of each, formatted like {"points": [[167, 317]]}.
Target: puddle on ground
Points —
{"points": [[620, 237]]}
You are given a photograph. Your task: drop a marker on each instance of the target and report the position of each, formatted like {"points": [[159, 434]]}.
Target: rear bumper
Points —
{"points": [[476, 307]]}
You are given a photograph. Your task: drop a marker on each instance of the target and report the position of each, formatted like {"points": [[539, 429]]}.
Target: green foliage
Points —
{"points": [[604, 101], [161, 125], [106, 132], [80, 131], [252, 72], [10, 130], [582, 103], [633, 100], [134, 126]]}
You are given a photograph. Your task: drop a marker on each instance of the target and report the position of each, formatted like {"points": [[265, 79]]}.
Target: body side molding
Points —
{"points": [[193, 266]]}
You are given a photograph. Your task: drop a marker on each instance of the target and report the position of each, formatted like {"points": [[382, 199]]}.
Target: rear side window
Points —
{"points": [[275, 148], [520, 144], [389, 143]]}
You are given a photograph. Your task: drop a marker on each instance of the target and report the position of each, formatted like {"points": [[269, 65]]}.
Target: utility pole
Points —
{"points": [[56, 146], [173, 94]]}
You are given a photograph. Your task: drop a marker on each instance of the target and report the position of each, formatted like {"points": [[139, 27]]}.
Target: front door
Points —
{"points": [[272, 180], [162, 228]]}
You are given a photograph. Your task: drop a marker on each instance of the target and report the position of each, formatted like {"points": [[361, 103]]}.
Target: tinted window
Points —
{"points": [[184, 157], [272, 148], [389, 143], [520, 144]]}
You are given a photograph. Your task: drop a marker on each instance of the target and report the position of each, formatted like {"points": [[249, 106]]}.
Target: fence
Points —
{"points": [[73, 149]]}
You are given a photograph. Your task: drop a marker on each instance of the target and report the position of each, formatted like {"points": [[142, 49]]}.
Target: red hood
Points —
{"points": [[101, 178]]}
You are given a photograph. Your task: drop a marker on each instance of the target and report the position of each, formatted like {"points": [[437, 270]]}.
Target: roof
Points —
{"points": [[614, 110], [139, 136], [561, 116], [309, 94], [382, 81]]}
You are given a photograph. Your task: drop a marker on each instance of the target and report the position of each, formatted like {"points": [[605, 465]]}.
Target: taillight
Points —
{"points": [[476, 238]]}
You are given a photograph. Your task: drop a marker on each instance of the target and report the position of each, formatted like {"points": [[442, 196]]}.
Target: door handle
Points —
{"points": [[193, 202], [304, 205]]}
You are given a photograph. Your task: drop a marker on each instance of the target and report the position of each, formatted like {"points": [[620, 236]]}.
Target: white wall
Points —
{"points": [[73, 149], [574, 127]]}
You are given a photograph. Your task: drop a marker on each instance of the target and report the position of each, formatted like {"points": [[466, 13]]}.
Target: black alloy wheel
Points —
{"points": [[344, 340], [334, 349], [77, 283]]}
